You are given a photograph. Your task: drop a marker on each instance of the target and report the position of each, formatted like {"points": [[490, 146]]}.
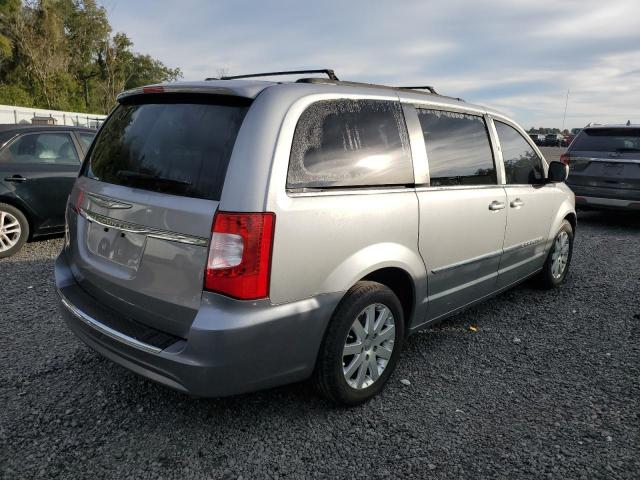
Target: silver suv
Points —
{"points": [[231, 235]]}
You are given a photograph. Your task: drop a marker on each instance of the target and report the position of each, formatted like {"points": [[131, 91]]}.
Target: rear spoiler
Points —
{"points": [[224, 87]]}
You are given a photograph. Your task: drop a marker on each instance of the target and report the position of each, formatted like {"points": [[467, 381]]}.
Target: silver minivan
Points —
{"points": [[231, 235]]}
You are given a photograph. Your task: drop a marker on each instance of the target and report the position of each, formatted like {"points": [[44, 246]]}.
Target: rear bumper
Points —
{"points": [[600, 197], [232, 347]]}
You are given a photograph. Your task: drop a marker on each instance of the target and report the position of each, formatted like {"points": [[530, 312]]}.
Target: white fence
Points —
{"points": [[27, 116]]}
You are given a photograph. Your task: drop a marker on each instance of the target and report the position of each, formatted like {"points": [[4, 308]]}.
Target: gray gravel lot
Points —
{"points": [[552, 153], [548, 386]]}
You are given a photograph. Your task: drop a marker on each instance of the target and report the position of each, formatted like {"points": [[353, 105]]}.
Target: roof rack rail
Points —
{"points": [[327, 71], [425, 87]]}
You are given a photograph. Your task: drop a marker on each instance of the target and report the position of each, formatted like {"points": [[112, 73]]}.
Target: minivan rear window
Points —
{"points": [[608, 140], [168, 143], [350, 143]]}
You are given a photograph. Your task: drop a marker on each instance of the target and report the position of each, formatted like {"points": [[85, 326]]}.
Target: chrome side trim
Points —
{"points": [[456, 187], [149, 232], [479, 258], [528, 243], [350, 191], [108, 331], [488, 256]]}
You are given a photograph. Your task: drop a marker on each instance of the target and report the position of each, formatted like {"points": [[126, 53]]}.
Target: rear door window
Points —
{"points": [[608, 140], [458, 148], [48, 148], [86, 139], [350, 143], [522, 164], [168, 143]]}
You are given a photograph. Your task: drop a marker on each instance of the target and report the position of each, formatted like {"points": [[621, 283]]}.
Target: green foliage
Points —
{"points": [[8, 10], [15, 95], [62, 54]]}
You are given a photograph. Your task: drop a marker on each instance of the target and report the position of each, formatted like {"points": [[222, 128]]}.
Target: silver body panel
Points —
{"points": [[454, 247]]}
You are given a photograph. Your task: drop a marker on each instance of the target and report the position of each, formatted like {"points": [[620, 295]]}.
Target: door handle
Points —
{"points": [[496, 205], [517, 203], [15, 178]]}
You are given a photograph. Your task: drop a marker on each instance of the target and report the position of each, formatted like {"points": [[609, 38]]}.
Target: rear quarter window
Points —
{"points": [[168, 143], [350, 143]]}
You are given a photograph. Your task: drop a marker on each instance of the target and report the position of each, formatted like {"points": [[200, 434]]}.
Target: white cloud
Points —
{"points": [[520, 56]]}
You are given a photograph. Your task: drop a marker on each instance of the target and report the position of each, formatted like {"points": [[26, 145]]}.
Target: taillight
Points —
{"points": [[78, 203], [239, 263], [565, 158]]}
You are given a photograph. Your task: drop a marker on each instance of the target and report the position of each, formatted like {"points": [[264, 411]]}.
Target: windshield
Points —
{"points": [[608, 140], [168, 143]]}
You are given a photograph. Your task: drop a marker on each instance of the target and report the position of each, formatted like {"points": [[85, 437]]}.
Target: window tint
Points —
{"points": [[521, 163], [608, 140], [177, 145], [458, 148], [350, 143], [86, 139], [5, 137], [56, 148]]}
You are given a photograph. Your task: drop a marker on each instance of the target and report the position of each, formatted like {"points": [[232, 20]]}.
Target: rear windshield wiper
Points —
{"points": [[128, 174]]}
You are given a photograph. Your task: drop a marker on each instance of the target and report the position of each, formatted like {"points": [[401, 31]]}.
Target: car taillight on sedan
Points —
{"points": [[565, 158], [239, 262]]}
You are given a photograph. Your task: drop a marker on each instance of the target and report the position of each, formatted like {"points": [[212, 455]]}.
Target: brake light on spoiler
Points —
{"points": [[239, 262], [153, 89]]}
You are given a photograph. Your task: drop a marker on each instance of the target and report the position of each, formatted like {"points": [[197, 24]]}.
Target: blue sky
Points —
{"points": [[517, 56]]}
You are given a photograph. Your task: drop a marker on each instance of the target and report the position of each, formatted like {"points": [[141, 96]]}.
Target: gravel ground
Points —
{"points": [[548, 386]]}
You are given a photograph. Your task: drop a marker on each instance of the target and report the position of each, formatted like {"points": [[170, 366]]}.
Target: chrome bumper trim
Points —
{"points": [[110, 332]]}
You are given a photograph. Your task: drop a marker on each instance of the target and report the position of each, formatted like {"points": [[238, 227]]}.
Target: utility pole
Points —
{"points": [[564, 117]]}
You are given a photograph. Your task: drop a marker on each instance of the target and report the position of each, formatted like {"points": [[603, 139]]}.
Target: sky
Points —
{"points": [[519, 57]]}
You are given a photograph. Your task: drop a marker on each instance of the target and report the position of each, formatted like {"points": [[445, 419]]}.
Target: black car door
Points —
{"points": [[40, 168]]}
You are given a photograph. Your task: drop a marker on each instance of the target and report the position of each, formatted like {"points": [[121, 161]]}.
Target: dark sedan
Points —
{"points": [[38, 165]]}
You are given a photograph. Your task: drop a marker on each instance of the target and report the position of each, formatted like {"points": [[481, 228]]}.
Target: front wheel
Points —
{"points": [[556, 267], [362, 344]]}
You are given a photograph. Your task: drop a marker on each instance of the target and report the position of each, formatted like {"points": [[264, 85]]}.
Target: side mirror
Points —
{"points": [[558, 172]]}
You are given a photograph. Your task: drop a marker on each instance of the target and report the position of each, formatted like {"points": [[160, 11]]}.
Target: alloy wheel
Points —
{"points": [[10, 231], [560, 256], [368, 346]]}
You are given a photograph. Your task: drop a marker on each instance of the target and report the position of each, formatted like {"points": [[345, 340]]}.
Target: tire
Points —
{"points": [[14, 230], [551, 277], [330, 376]]}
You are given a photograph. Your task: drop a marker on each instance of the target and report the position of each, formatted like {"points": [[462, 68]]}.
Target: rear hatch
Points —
{"points": [[606, 158], [141, 211]]}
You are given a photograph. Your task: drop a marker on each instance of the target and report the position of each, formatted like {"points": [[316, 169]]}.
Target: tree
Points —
{"points": [[39, 35], [87, 26], [8, 11], [62, 54]]}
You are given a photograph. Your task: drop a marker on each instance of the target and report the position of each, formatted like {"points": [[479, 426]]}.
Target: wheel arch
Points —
{"points": [[572, 218], [401, 283], [566, 211]]}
